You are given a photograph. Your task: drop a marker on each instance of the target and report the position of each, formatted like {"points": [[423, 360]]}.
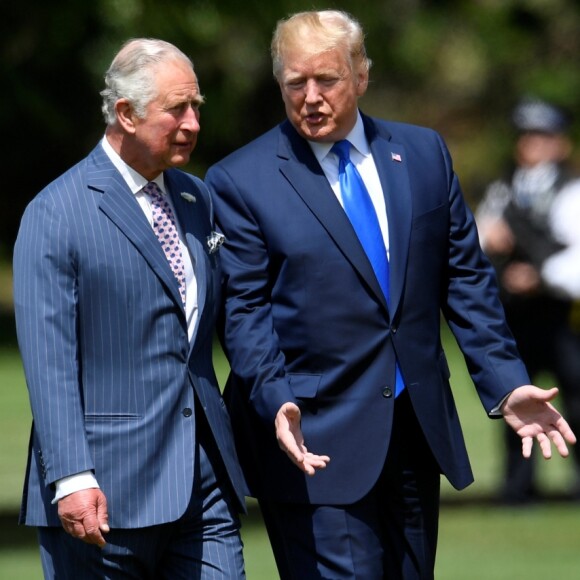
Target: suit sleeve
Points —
{"points": [[45, 294], [473, 309], [249, 336]]}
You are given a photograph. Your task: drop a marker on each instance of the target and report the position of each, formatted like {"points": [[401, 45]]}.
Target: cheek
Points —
{"points": [[164, 138], [292, 111], [293, 103]]}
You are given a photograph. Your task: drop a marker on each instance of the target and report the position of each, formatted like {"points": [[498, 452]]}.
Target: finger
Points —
{"points": [[76, 530], [311, 468], [103, 515], [291, 412], [559, 443], [310, 463], [302, 464], [73, 527], [315, 465], [317, 460], [549, 394], [92, 525], [289, 446], [287, 443], [545, 445], [94, 536], [527, 444], [68, 528], [566, 431]]}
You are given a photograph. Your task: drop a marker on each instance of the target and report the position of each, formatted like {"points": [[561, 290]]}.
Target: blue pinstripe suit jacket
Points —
{"points": [[103, 337]]}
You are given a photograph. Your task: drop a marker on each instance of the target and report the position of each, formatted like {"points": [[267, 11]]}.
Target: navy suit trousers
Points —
{"points": [[204, 543], [390, 533]]}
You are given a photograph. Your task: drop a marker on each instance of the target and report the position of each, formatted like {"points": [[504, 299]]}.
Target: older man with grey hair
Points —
{"points": [[132, 470]]}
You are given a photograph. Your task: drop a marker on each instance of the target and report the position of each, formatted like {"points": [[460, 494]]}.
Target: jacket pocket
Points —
{"points": [[111, 417], [304, 385]]}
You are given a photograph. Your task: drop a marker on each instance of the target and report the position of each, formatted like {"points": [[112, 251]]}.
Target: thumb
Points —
{"points": [[102, 513], [547, 394], [290, 410]]}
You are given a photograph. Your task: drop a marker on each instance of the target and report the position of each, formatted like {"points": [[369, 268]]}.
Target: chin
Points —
{"points": [[315, 133], [323, 132], [179, 160]]}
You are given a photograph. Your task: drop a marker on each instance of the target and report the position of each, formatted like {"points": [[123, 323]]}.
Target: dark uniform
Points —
{"points": [[540, 320]]}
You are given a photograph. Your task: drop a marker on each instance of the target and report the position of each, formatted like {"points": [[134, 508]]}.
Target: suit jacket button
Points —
{"points": [[187, 412], [387, 392]]}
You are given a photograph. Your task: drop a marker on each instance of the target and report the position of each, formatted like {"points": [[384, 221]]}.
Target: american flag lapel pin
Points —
{"points": [[396, 157]]}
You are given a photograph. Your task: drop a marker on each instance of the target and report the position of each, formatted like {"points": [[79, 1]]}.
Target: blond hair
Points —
{"points": [[314, 32]]}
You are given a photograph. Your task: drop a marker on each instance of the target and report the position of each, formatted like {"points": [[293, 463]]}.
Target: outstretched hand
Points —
{"points": [[291, 440], [530, 414], [83, 515]]}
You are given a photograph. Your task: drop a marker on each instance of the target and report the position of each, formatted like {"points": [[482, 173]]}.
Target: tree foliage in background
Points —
{"points": [[457, 66]]}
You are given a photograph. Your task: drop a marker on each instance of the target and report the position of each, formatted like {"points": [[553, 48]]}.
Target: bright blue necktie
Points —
{"points": [[361, 212]]}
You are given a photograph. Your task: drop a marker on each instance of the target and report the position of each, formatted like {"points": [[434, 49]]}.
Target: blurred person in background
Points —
{"points": [[132, 470], [346, 237], [526, 230], [561, 270]]}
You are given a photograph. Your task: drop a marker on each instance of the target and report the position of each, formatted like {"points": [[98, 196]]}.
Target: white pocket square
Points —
{"points": [[214, 241]]}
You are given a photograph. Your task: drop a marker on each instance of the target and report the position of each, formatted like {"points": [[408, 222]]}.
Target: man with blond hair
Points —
{"points": [[346, 238]]}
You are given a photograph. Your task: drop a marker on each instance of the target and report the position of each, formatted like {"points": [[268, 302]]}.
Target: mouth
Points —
{"points": [[187, 145], [314, 118]]}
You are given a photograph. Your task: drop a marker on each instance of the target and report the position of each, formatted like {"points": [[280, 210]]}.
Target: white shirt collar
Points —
{"points": [[134, 180], [356, 137]]}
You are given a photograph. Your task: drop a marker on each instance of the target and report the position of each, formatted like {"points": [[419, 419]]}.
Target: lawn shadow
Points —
{"points": [[7, 328], [13, 535]]}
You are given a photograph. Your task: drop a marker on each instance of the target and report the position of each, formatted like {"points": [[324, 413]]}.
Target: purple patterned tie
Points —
{"points": [[165, 229]]}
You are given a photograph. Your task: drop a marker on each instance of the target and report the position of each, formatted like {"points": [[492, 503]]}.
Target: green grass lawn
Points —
{"points": [[477, 540], [15, 421], [475, 543]]}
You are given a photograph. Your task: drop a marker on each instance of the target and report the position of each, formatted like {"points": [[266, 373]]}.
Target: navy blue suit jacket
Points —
{"points": [[103, 337], [306, 320]]}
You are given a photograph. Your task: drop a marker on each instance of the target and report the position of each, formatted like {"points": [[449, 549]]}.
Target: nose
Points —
{"points": [[190, 120], [312, 91]]}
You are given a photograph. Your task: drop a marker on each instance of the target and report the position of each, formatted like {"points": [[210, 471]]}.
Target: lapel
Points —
{"points": [[120, 206], [312, 186], [194, 225], [394, 177]]}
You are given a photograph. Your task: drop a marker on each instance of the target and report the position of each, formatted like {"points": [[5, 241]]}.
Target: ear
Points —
{"points": [[125, 115], [362, 83]]}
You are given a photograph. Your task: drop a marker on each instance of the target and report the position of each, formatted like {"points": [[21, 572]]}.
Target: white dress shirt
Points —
{"points": [[362, 158]]}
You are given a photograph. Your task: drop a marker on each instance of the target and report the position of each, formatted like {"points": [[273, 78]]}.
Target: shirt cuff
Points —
{"points": [[76, 482], [496, 411]]}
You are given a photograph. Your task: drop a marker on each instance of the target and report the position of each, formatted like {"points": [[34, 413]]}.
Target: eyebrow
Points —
{"points": [[174, 101], [294, 76]]}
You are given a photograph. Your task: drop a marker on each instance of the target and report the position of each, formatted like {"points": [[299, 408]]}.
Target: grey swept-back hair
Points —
{"points": [[131, 75]]}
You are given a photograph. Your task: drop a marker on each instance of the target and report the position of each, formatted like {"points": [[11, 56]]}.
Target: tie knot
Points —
{"points": [[342, 149], [153, 189]]}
